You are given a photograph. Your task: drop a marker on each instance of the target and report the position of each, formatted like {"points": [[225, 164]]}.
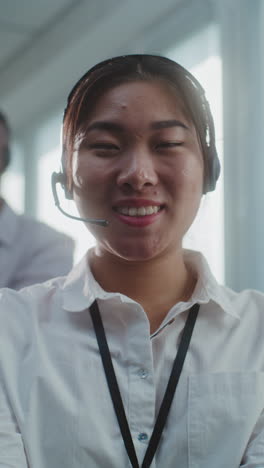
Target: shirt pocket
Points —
{"points": [[223, 409]]}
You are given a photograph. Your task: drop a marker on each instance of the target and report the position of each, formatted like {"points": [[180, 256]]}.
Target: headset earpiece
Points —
{"points": [[61, 178], [213, 169], [213, 164]]}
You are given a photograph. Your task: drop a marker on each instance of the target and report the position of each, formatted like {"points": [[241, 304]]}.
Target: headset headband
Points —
{"points": [[114, 60]]}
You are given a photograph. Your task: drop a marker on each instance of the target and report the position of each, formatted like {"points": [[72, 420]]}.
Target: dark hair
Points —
{"points": [[118, 70], [5, 156], [4, 122]]}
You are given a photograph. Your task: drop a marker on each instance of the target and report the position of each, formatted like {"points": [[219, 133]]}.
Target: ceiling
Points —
{"points": [[32, 34], [22, 23], [47, 45]]}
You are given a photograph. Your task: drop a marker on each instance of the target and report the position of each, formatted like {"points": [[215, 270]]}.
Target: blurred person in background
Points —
{"points": [[30, 251], [138, 357]]}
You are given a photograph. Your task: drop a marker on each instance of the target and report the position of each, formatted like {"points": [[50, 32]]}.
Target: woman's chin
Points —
{"points": [[134, 252]]}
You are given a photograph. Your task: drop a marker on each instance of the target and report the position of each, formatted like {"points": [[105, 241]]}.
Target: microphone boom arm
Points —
{"points": [[55, 179]]}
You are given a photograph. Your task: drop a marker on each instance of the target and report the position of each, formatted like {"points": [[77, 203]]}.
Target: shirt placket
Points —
{"points": [[142, 393]]}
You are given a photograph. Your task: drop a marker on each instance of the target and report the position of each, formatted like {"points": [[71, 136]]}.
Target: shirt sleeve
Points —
{"points": [[254, 454], [12, 453], [13, 336]]}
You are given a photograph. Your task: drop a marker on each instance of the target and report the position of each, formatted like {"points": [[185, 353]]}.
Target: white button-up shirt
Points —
{"points": [[55, 406], [31, 252]]}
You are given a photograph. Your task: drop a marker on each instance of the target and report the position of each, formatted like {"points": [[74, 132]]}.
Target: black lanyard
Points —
{"points": [[115, 392]]}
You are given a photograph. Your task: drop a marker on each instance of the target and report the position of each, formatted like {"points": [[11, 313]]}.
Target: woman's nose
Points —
{"points": [[137, 171]]}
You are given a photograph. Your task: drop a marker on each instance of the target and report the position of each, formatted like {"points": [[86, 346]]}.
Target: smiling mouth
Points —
{"points": [[141, 211]]}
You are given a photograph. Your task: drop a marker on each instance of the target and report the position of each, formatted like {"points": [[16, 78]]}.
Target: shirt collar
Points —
{"points": [[81, 289], [8, 225], [207, 288]]}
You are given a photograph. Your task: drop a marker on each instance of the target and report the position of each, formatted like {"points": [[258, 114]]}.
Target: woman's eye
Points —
{"points": [[103, 148], [107, 146], [169, 144]]}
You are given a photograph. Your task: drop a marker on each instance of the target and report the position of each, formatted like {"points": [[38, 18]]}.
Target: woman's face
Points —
{"points": [[140, 167]]}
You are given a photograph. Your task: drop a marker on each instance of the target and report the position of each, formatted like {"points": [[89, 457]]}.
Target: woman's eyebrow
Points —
{"points": [[168, 124]]}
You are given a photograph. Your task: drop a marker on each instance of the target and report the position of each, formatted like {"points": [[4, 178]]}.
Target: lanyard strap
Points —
{"points": [[115, 392]]}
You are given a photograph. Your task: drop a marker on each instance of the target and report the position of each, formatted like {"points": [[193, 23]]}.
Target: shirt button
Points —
{"points": [[142, 436], [143, 373]]}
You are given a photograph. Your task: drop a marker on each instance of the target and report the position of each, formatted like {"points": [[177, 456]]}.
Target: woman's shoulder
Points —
{"points": [[247, 301], [33, 292], [236, 302], [21, 309]]}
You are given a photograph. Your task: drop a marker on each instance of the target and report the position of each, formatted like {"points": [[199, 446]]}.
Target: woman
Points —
{"points": [[139, 153]]}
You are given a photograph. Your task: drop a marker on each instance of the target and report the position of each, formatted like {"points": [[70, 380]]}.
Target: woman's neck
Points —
{"points": [[157, 284]]}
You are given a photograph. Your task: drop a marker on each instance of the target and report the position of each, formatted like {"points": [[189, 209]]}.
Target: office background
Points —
{"points": [[45, 46]]}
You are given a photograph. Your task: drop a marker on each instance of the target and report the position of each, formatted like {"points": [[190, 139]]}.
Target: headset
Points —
{"points": [[213, 163], [60, 178]]}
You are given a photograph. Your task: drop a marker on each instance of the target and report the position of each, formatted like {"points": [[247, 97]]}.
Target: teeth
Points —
{"points": [[123, 210], [132, 211], [142, 211], [150, 210]]}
